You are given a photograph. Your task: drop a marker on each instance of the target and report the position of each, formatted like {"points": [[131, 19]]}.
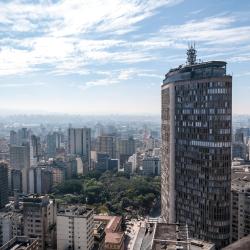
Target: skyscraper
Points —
{"points": [[20, 160], [79, 143], [13, 137], [107, 144], [16, 180], [196, 148], [52, 144], [20, 156], [23, 135], [3, 184], [126, 148], [36, 146]]}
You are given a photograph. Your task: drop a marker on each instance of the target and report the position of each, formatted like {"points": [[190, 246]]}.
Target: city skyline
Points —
{"points": [[103, 58]]}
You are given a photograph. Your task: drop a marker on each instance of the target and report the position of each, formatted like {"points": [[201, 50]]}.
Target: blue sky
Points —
{"points": [[110, 56]]}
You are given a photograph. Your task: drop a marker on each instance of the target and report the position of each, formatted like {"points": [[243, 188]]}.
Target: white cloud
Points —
{"points": [[117, 76], [14, 85], [212, 30], [67, 35], [59, 33], [97, 83]]}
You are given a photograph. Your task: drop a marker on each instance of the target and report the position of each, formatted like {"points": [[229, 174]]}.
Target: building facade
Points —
{"points": [[75, 228], [3, 184], [107, 144], [11, 225], [126, 148], [39, 216], [151, 166], [20, 156], [16, 181], [79, 143], [5, 228], [240, 208], [196, 148]]}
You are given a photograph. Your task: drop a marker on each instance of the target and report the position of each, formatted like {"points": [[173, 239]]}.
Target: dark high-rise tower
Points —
{"points": [[196, 148], [3, 184]]}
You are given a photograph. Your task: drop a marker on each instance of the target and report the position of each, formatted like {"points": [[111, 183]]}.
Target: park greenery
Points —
{"points": [[113, 193]]}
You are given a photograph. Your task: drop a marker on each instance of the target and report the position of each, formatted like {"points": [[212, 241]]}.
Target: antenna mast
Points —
{"points": [[191, 54]]}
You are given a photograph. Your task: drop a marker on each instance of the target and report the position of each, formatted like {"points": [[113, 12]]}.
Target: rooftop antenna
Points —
{"points": [[191, 54]]}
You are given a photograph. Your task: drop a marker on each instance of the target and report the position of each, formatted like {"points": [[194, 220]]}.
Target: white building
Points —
{"points": [[79, 166], [75, 228], [133, 160], [79, 143]]}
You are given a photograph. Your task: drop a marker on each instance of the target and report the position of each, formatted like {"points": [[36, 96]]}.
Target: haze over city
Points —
{"points": [[106, 57]]}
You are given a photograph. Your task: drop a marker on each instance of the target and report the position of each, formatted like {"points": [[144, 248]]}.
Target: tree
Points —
{"points": [[69, 187]]}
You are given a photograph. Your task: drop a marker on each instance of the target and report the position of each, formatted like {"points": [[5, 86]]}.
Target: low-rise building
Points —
{"points": [[114, 238], [158, 236], [114, 241], [99, 235]]}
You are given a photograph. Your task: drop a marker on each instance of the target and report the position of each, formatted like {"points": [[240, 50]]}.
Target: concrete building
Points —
{"points": [[114, 236], [53, 143], [16, 181], [20, 156], [40, 180], [240, 150], [35, 149], [99, 235], [79, 143], [23, 136], [158, 236], [126, 148], [21, 243], [58, 175], [242, 244], [106, 144], [3, 184], [133, 160], [10, 226], [196, 148], [151, 166], [5, 228], [79, 166], [104, 163], [114, 241], [17, 224], [240, 208], [13, 137], [4, 149], [39, 216], [20, 160], [75, 228], [127, 168]]}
